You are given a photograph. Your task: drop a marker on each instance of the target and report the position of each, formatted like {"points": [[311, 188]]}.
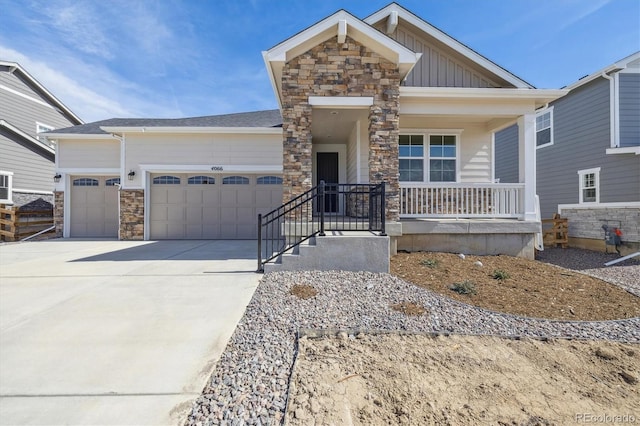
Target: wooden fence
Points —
{"points": [[16, 224], [556, 231]]}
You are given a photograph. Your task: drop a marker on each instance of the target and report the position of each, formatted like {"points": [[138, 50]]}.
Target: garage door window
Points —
{"points": [[166, 180], [112, 182], [201, 180], [269, 180], [85, 182], [235, 180]]}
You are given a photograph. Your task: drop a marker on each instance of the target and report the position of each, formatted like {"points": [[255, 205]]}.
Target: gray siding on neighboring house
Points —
{"points": [[31, 170], [23, 113], [629, 90], [506, 155], [581, 132]]}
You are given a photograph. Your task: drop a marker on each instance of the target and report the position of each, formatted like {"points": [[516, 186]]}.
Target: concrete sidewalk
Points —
{"points": [[115, 332]]}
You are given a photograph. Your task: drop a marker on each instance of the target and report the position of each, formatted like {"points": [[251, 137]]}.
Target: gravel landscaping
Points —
{"points": [[250, 383]]}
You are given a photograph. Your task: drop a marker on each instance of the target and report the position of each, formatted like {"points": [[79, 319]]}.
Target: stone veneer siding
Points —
{"points": [[131, 214], [587, 222], [58, 212], [341, 69]]}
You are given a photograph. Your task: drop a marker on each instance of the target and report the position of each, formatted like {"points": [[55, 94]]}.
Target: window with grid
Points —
{"points": [[201, 180], [166, 180], [589, 185], [442, 158], [85, 182], [544, 128], [5, 188], [269, 180], [112, 182], [411, 157], [235, 180]]}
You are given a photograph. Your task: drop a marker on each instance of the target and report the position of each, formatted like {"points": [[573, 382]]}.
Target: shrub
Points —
{"points": [[465, 287], [499, 274], [430, 263]]}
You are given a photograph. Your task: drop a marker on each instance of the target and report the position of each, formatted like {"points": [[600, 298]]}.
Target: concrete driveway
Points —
{"points": [[115, 332]]}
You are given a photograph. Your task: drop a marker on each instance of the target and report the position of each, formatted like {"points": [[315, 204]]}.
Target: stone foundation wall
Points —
{"points": [[58, 212], [341, 69], [587, 222], [31, 201], [131, 214], [585, 227]]}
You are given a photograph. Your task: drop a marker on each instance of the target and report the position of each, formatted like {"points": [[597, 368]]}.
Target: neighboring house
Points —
{"points": [[588, 155], [27, 160], [386, 99]]}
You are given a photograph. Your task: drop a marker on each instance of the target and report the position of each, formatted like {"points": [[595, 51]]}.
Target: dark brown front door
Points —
{"points": [[327, 170]]}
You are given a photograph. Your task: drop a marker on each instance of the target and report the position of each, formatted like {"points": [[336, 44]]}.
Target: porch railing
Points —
{"points": [[326, 207], [461, 200]]}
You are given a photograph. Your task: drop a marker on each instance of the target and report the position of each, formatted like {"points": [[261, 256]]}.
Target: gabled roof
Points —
{"points": [[396, 11], [16, 68], [633, 59], [340, 24], [28, 140], [244, 120]]}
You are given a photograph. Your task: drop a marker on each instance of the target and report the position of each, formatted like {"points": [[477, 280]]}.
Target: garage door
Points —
{"points": [[198, 206], [94, 206]]}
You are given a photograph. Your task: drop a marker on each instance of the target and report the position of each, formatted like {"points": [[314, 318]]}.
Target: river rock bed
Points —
{"points": [[250, 383]]}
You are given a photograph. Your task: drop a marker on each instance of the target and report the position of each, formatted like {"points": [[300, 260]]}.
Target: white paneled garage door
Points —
{"points": [[94, 206], [199, 206]]}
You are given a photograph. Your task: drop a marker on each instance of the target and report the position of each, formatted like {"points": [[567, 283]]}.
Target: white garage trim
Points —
{"points": [[85, 212]]}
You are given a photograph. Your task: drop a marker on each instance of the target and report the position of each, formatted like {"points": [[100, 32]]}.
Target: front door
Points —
{"points": [[327, 170]]}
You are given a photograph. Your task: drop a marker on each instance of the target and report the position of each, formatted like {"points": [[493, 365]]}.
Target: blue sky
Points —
{"points": [[172, 58]]}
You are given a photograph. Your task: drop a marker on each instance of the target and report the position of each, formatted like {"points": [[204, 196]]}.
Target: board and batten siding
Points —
{"points": [[23, 113], [629, 90], [439, 66], [89, 153], [507, 155], [203, 149], [32, 171]]}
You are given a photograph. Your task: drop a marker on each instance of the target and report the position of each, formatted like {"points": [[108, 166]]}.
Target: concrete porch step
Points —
{"points": [[338, 250]]}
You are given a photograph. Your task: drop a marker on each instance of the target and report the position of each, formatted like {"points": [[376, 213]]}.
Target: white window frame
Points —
{"points": [[9, 199], [41, 128], [540, 114], [581, 175], [426, 156], [423, 158]]}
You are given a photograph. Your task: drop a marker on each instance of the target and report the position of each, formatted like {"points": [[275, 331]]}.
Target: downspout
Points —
{"points": [[614, 142]]}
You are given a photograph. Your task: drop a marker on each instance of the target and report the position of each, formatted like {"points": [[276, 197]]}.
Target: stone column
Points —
{"points": [[131, 214], [58, 213]]}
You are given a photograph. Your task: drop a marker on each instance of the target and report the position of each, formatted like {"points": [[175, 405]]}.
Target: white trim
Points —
{"points": [[426, 155], [341, 101], [540, 96], [447, 40], [410, 131], [527, 163], [629, 205], [596, 183], [31, 191], [194, 129], [624, 150], [622, 63], [493, 158], [26, 136], [66, 207], [9, 175], [226, 168], [615, 119], [58, 136], [548, 110], [342, 30], [22, 95], [358, 153], [90, 172]]}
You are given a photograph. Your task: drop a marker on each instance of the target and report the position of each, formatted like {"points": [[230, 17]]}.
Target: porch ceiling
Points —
{"points": [[334, 125]]}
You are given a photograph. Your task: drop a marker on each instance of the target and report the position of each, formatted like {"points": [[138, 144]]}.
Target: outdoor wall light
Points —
{"points": [[57, 177], [131, 175]]}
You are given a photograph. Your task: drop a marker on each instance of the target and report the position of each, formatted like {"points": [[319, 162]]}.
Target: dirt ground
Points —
{"points": [[462, 380], [528, 288]]}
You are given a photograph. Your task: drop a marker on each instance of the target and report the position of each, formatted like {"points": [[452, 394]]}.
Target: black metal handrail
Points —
{"points": [[326, 207]]}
